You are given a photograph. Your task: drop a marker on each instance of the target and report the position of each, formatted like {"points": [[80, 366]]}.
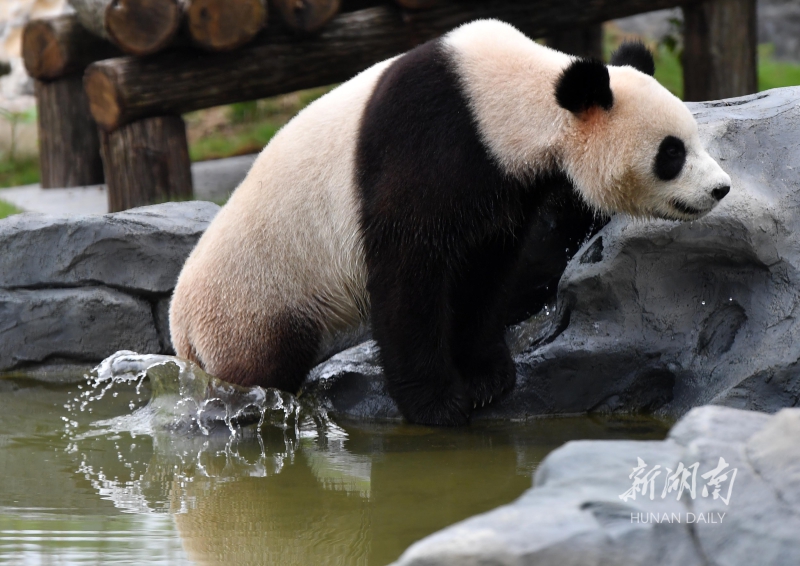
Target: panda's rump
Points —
{"points": [[280, 273]]}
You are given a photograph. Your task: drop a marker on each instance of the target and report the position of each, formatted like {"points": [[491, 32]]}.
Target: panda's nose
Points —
{"points": [[720, 192]]}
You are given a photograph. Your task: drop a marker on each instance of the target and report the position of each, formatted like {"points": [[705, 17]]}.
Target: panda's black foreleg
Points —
{"points": [[479, 302], [411, 322]]}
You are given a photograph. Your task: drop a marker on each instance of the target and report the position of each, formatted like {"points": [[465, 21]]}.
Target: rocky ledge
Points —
{"points": [[660, 316], [723, 488], [75, 289]]}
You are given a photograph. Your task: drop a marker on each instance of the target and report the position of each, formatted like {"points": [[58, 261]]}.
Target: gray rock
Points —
{"points": [[660, 316], [140, 250], [84, 324], [574, 513], [351, 384]]}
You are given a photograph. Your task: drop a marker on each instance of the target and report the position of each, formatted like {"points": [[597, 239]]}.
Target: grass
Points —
{"points": [[7, 209], [20, 171], [245, 127], [775, 74], [249, 140]]}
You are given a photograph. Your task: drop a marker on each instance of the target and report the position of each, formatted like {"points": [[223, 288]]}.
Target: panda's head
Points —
{"points": [[631, 146]]}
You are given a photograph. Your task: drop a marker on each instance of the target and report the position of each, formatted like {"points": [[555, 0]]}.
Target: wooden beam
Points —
{"points": [[125, 89], [307, 16], [585, 41], [60, 46], [69, 149], [138, 27], [417, 4], [719, 55], [222, 25], [147, 162]]}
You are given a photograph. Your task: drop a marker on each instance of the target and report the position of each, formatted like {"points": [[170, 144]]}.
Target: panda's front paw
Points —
{"points": [[490, 375], [450, 406]]}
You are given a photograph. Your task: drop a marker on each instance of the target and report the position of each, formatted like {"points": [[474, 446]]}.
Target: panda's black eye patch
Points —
{"points": [[670, 158]]}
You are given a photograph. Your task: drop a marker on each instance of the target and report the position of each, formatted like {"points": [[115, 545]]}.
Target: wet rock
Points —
{"points": [[351, 384], [140, 250], [88, 323], [161, 315], [663, 316], [575, 514]]}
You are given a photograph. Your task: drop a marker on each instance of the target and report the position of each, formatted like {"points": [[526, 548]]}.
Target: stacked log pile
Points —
{"points": [[143, 63]]}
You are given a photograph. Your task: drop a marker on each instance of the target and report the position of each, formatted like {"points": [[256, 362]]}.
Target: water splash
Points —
{"points": [[180, 425], [183, 397]]}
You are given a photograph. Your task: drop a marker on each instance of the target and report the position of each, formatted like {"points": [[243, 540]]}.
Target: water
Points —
{"points": [[153, 461]]}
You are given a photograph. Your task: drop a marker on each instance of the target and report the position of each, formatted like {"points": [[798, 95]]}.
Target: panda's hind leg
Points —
{"points": [[278, 352]]}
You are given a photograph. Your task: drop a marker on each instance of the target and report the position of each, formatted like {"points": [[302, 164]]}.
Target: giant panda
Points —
{"points": [[402, 200]]}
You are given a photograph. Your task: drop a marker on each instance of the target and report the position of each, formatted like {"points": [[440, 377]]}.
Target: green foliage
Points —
{"points": [[14, 119], [19, 172], [669, 71], [253, 124], [775, 74], [7, 209], [249, 140], [242, 112]]}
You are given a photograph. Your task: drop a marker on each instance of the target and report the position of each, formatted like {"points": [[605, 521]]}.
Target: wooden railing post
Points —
{"points": [[56, 51], [69, 149], [719, 57], [147, 162]]}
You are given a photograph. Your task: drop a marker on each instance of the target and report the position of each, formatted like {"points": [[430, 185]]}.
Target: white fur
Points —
{"points": [[287, 240], [608, 155]]}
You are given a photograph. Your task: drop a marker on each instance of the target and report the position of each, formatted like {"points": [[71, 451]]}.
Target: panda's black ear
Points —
{"points": [[636, 55], [583, 85]]}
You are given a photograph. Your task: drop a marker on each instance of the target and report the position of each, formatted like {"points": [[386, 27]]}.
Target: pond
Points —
{"points": [[108, 472]]}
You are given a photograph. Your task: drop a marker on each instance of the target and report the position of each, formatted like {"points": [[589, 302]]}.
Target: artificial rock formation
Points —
{"points": [[79, 288]]}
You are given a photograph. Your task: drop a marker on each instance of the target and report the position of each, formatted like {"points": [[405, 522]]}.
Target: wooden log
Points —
{"points": [[222, 25], [307, 16], [353, 5], [719, 55], [69, 149], [138, 27], [126, 89], [60, 46], [147, 162], [586, 41], [417, 4]]}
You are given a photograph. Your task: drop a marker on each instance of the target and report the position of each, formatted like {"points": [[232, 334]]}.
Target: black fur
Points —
{"points": [[670, 158], [561, 224], [443, 230], [635, 54], [584, 84]]}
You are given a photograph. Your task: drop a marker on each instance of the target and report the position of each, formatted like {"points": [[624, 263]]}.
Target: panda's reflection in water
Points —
{"points": [[359, 497], [320, 493]]}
